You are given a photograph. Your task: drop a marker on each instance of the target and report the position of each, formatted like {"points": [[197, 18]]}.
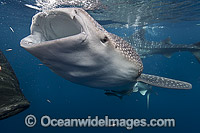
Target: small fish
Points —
{"points": [[33, 7], [114, 94], [9, 49], [12, 29], [48, 101]]}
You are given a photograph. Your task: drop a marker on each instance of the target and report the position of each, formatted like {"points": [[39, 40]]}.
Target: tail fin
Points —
{"points": [[12, 101], [197, 52], [164, 82]]}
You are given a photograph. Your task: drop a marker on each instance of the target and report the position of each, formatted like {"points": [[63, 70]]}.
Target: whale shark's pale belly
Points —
{"points": [[84, 65]]}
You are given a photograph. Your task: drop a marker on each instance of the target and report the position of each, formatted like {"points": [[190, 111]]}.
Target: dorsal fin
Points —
{"points": [[137, 38], [140, 35], [163, 82], [167, 41]]}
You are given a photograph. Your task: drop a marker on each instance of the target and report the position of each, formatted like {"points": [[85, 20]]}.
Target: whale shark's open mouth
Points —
{"points": [[60, 26], [53, 25]]}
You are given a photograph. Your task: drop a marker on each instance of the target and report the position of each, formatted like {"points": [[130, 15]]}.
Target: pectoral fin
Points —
{"points": [[163, 82]]}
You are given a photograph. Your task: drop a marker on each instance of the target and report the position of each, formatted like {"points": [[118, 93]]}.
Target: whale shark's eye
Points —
{"points": [[104, 40], [75, 11]]}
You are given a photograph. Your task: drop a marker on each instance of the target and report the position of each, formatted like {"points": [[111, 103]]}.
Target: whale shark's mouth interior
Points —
{"points": [[58, 26]]}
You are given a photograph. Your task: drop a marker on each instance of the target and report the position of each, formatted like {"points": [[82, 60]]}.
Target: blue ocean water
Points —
{"points": [[69, 100]]}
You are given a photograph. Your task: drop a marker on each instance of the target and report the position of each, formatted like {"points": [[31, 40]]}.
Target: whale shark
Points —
{"points": [[166, 47], [76, 47], [12, 100]]}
